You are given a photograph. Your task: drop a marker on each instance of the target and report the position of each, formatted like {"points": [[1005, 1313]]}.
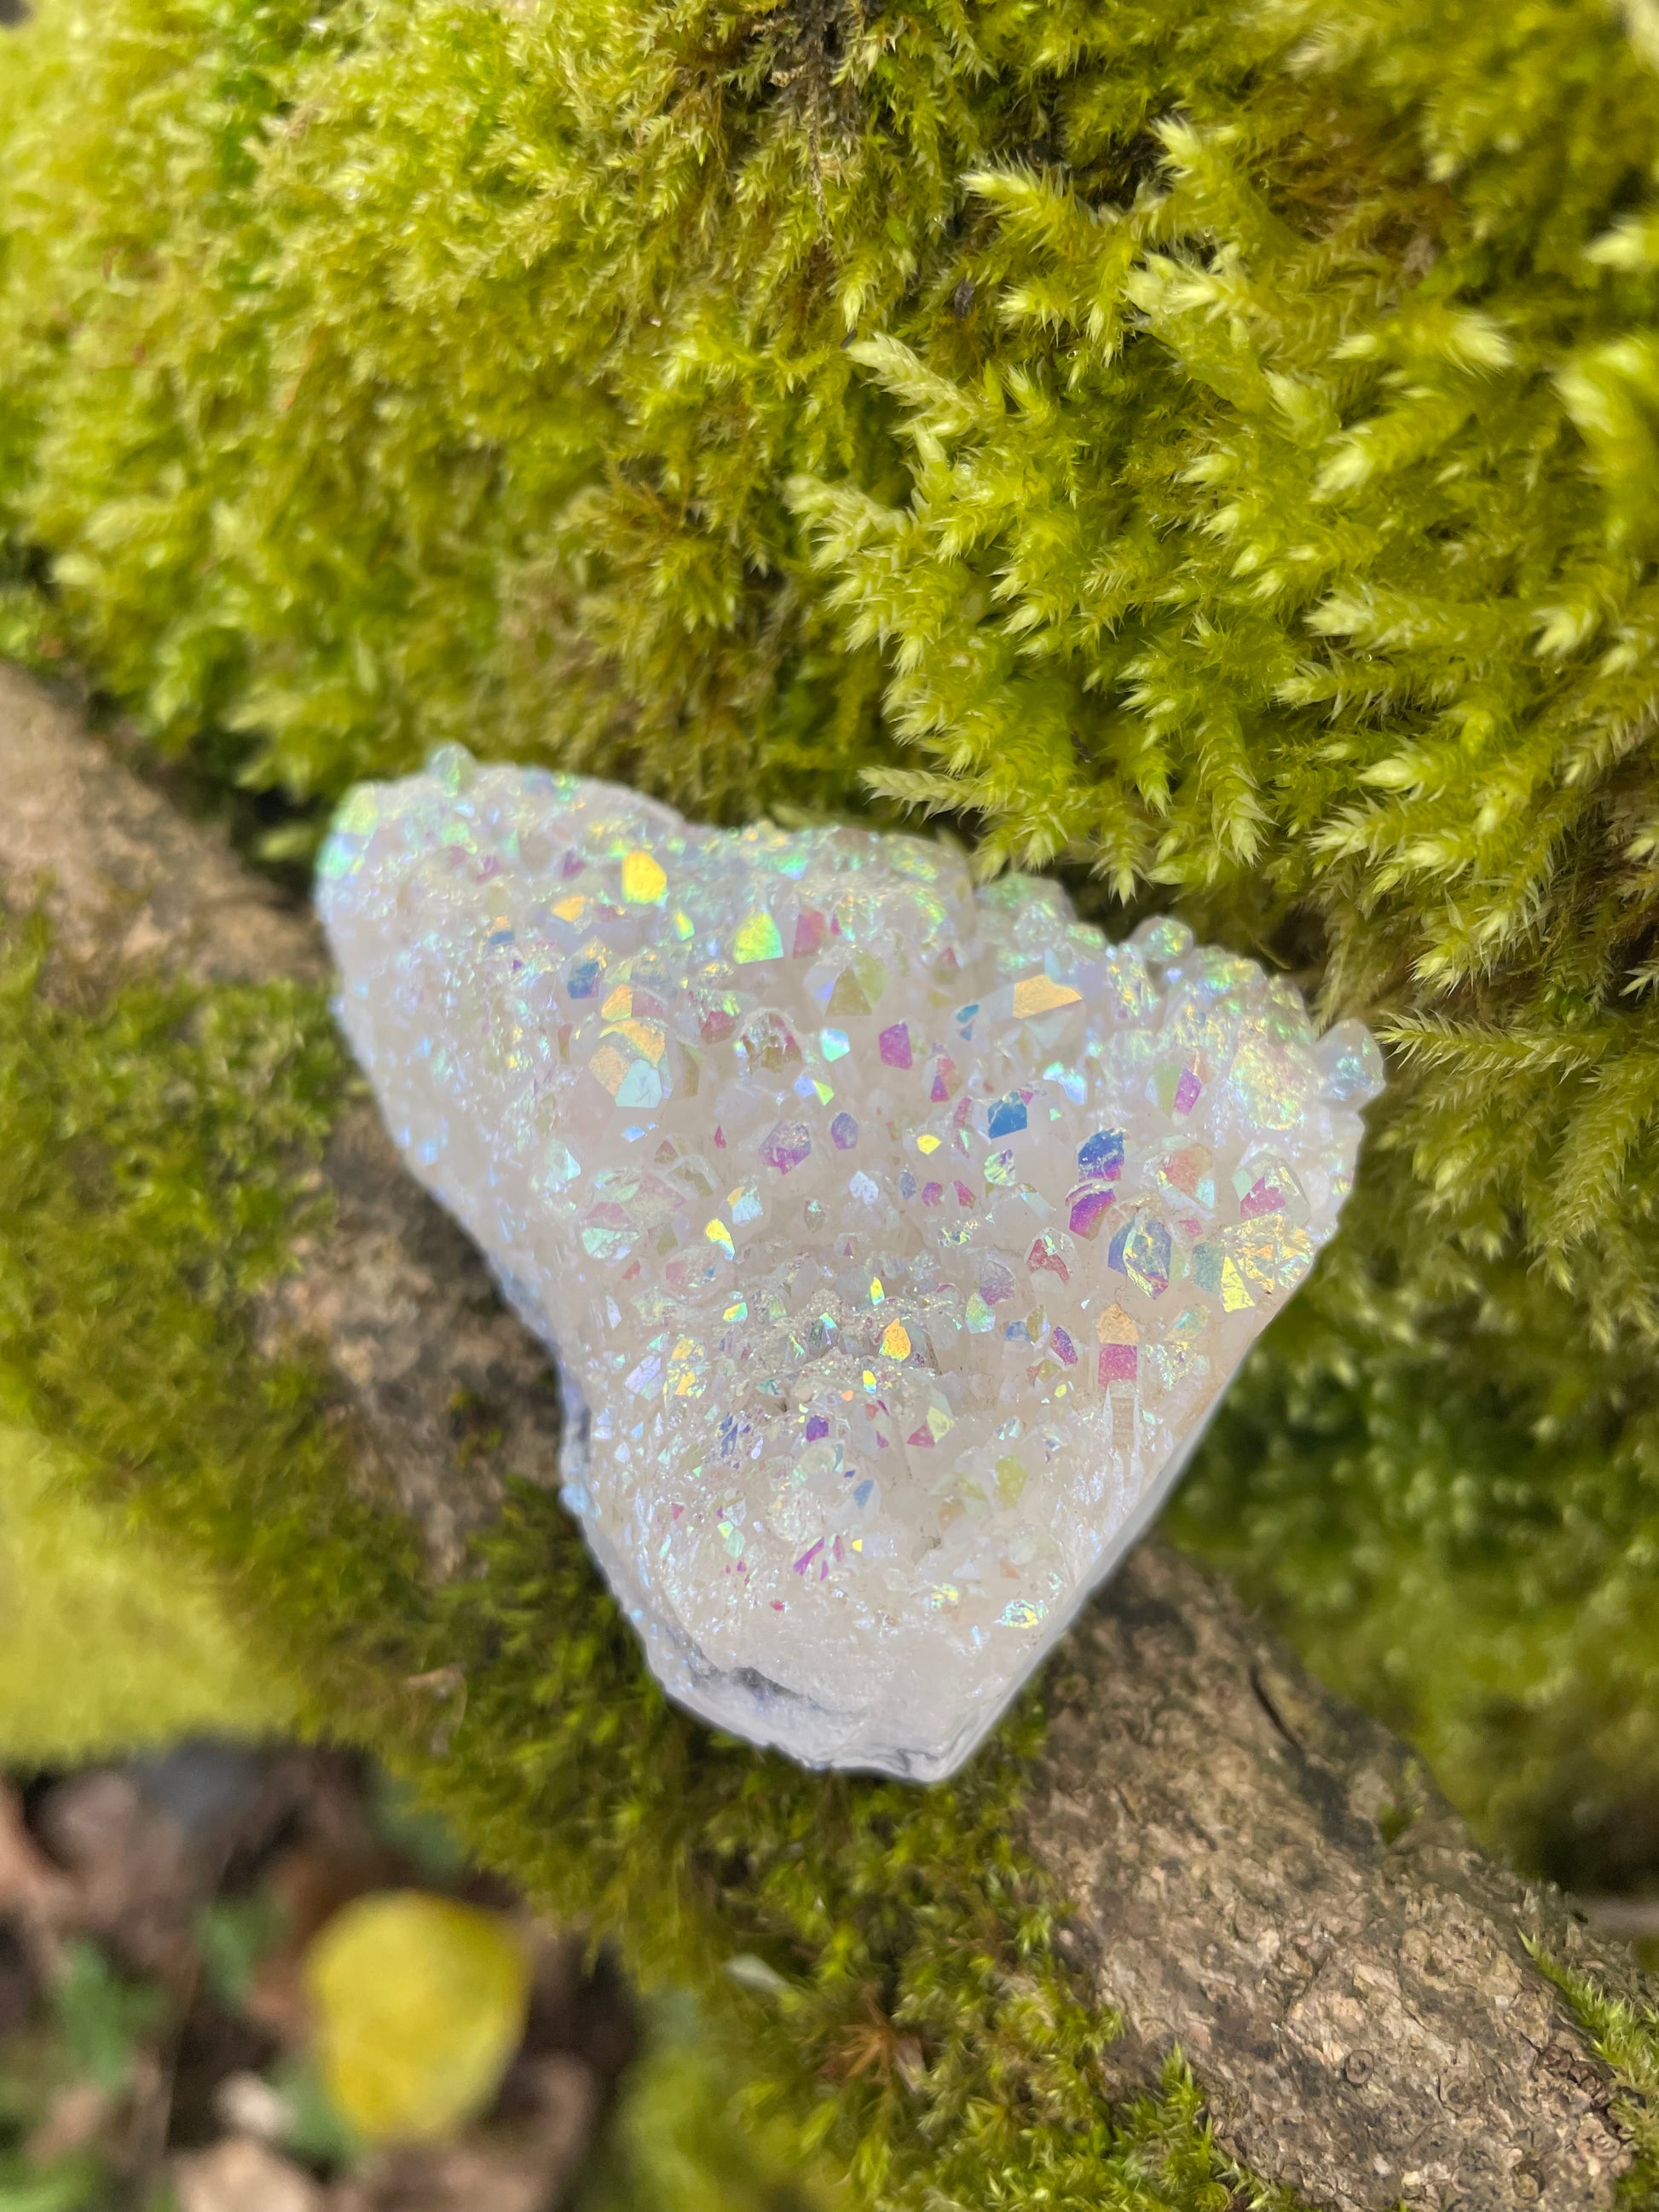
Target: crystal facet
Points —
{"points": [[894, 1236]]}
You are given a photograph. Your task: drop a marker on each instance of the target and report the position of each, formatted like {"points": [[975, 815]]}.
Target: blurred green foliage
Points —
{"points": [[680, 2138], [89, 2040], [108, 1639]]}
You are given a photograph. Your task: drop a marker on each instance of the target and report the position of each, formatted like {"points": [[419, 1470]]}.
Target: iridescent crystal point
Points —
{"points": [[894, 1235]]}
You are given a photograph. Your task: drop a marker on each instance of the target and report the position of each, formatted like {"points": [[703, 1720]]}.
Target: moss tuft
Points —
{"points": [[1448, 1499], [109, 1643], [1627, 2038]]}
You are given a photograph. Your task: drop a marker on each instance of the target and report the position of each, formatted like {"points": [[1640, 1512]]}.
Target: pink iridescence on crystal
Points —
{"points": [[895, 1236]]}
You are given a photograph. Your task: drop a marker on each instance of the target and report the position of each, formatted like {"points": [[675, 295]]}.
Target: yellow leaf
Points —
{"points": [[417, 2006]]}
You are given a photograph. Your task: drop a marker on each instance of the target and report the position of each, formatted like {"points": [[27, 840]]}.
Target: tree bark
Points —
{"points": [[1259, 1875], [448, 1391], [1267, 1878]]}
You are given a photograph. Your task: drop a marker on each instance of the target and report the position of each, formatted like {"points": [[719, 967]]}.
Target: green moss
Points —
{"points": [[108, 1641], [1627, 2038], [1450, 1499], [151, 1173], [680, 2136]]}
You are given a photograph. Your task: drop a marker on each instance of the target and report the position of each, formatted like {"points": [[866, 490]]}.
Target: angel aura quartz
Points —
{"points": [[894, 1235]]}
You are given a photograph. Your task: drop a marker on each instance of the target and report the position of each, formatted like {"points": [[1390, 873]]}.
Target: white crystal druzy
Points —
{"points": [[894, 1236]]}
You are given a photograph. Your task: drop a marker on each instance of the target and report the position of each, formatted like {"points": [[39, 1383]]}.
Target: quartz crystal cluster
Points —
{"points": [[894, 1235]]}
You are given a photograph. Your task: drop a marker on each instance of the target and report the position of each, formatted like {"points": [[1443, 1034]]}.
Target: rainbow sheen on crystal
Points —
{"points": [[755, 937], [896, 1236]]}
